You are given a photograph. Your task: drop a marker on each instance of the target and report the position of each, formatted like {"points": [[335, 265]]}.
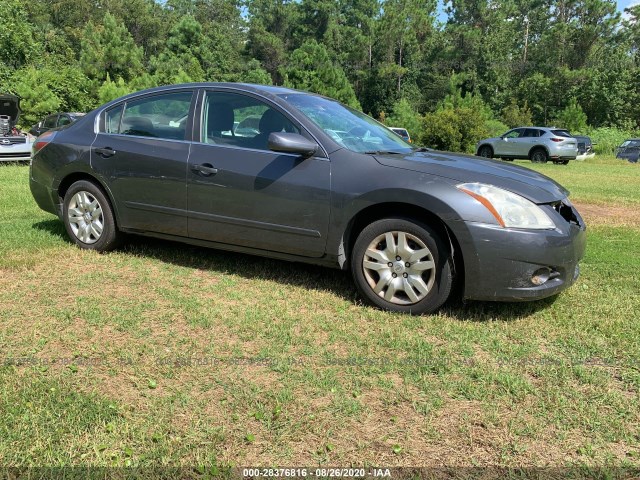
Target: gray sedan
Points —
{"points": [[409, 223]]}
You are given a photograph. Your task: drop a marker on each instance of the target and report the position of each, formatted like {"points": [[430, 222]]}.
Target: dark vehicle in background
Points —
{"points": [[14, 146], [585, 147], [409, 223], [538, 144], [54, 121], [629, 150], [402, 132]]}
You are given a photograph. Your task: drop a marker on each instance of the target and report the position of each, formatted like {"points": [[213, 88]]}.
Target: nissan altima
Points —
{"points": [[408, 222]]}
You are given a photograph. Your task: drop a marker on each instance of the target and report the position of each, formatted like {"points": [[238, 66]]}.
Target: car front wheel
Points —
{"points": [[485, 151], [88, 217], [403, 266]]}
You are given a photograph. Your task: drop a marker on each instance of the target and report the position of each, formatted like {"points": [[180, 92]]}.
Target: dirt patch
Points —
{"points": [[614, 215]]}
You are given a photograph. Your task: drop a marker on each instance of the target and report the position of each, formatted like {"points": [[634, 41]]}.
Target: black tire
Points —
{"points": [[539, 155], [485, 151], [438, 279], [109, 237]]}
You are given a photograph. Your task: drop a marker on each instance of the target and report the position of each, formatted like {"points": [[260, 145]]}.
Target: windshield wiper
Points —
{"points": [[421, 149], [382, 152]]}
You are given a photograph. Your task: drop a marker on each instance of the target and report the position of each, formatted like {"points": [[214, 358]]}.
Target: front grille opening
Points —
{"points": [[567, 212]]}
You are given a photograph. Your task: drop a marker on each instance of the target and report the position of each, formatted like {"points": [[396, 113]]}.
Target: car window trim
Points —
{"points": [[197, 132], [101, 117]]}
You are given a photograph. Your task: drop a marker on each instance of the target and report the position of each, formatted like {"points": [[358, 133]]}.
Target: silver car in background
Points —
{"points": [[538, 144], [14, 145]]}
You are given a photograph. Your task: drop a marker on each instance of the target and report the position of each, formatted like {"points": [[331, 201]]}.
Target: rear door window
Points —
{"points": [[50, 121], [160, 116], [112, 120]]}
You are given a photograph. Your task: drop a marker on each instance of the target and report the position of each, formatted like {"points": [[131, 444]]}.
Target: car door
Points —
{"points": [[242, 193], [506, 145], [142, 152], [528, 140]]}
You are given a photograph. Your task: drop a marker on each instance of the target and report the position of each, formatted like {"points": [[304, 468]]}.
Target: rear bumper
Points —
{"points": [[45, 197], [499, 263]]}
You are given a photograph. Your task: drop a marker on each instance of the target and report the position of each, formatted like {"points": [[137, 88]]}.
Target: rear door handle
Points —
{"points": [[105, 152], [205, 169]]}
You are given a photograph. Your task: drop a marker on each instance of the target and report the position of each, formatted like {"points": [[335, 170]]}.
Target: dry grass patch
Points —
{"points": [[609, 215]]}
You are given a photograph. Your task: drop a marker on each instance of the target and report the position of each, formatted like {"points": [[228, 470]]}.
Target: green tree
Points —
{"points": [[37, 98], [271, 32], [109, 49], [572, 118], [110, 90], [310, 68], [403, 115], [515, 116], [17, 43]]}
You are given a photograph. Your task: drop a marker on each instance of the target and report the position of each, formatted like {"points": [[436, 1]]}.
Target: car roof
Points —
{"points": [[265, 90], [541, 128]]}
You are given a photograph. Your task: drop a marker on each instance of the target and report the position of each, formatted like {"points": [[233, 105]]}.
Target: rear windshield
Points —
{"points": [[561, 133], [630, 143]]}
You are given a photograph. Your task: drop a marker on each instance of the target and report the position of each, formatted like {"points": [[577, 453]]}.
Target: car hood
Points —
{"points": [[10, 106], [467, 168]]}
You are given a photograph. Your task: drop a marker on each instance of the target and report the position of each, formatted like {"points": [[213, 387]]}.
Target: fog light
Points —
{"points": [[540, 276]]}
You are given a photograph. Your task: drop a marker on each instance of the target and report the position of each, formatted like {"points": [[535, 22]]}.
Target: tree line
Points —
{"points": [[450, 75]]}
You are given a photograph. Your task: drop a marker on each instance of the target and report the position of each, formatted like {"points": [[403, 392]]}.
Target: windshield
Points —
{"points": [[351, 129]]}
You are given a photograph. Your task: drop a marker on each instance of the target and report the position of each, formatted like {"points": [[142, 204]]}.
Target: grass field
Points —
{"points": [[166, 354]]}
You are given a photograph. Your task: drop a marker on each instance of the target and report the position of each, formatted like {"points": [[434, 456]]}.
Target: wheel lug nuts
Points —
{"points": [[394, 275], [407, 264], [398, 258], [390, 264], [405, 275]]}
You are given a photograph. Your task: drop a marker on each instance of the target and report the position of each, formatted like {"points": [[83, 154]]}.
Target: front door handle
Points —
{"points": [[105, 152], [205, 169]]}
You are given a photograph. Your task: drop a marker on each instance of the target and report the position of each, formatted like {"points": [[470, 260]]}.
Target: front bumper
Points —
{"points": [[499, 263], [15, 153]]}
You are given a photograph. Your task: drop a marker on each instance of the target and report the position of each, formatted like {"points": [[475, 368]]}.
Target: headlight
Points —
{"points": [[509, 209]]}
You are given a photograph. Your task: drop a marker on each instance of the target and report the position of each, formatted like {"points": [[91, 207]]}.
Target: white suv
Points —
{"points": [[538, 144]]}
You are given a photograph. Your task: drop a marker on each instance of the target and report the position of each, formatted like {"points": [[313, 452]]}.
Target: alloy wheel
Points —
{"points": [[85, 217]]}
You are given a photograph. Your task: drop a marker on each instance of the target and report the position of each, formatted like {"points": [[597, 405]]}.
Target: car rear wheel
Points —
{"points": [[402, 266], [539, 155], [88, 217], [485, 151]]}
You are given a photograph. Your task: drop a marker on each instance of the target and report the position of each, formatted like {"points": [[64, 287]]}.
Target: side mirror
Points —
{"points": [[286, 142]]}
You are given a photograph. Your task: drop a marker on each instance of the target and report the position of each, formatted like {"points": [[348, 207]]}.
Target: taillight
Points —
{"points": [[557, 139], [43, 140]]}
